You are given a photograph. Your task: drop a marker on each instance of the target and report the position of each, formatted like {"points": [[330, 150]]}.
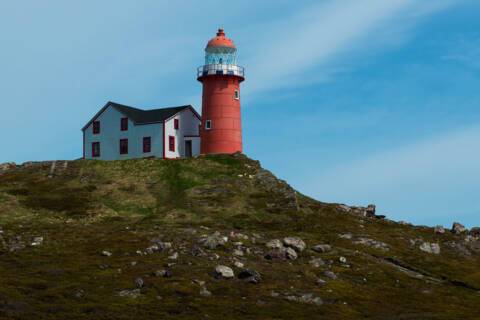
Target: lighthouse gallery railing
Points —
{"points": [[220, 69]]}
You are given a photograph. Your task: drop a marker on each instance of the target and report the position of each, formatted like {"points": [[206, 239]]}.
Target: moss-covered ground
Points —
{"points": [[86, 207]]}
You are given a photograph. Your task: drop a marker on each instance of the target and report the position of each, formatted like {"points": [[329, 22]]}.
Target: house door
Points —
{"points": [[188, 148]]}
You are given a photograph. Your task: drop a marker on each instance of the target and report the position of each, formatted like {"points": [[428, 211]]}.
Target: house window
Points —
{"points": [[237, 95], [124, 124], [208, 124], [95, 149], [96, 127], [176, 124], [171, 143], [123, 146], [147, 144]]}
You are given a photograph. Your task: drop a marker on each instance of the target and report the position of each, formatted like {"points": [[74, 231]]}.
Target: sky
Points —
{"points": [[354, 102]]}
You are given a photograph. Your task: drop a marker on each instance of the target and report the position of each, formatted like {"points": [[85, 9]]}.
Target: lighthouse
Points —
{"points": [[221, 127]]}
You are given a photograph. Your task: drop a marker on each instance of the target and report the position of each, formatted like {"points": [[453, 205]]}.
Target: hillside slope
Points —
{"points": [[147, 238]]}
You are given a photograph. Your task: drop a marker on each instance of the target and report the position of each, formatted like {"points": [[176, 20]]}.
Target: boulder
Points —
{"points": [[370, 210], [295, 243], [213, 241], [277, 254], [317, 262], [204, 292], [439, 230], [458, 228], [475, 232], [331, 275], [7, 166], [106, 253], [274, 244], [130, 293], [432, 248], [249, 275], [139, 282], [223, 272], [322, 248], [291, 254]]}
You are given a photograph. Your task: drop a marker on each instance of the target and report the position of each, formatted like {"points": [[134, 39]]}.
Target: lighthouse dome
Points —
{"points": [[221, 40]]}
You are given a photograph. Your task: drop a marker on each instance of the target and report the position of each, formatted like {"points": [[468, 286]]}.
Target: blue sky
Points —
{"points": [[350, 101]]}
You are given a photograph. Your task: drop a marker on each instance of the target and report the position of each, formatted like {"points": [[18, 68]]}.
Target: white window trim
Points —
{"points": [[208, 124], [237, 95]]}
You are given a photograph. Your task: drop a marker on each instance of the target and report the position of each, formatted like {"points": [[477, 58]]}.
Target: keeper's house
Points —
{"points": [[121, 132]]}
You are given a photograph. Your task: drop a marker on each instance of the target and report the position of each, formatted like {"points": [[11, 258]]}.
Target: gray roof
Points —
{"points": [[139, 116]]}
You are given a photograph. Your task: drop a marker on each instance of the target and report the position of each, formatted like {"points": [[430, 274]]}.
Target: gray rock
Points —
{"points": [[174, 256], [37, 241], [291, 254], [7, 166], [433, 248], [322, 248], [139, 282], [475, 232], [213, 241], [106, 253], [439, 230], [249, 275], [347, 236], [342, 259], [370, 210], [317, 262], [306, 298], [238, 264], [331, 275], [204, 292], [238, 253], [295, 243], [223, 272], [163, 273], [458, 228], [274, 244], [372, 243], [277, 254], [135, 293]]}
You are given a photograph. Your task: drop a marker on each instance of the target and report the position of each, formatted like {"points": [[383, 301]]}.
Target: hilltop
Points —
{"points": [[215, 237]]}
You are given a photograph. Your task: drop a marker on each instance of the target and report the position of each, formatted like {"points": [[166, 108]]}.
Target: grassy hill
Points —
{"points": [[142, 239]]}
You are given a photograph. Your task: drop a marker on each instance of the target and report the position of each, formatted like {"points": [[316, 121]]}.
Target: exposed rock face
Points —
{"points": [[295, 243], [287, 199], [433, 248], [223, 272], [458, 228]]}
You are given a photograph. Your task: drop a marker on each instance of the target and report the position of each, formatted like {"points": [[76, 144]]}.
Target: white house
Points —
{"points": [[121, 132]]}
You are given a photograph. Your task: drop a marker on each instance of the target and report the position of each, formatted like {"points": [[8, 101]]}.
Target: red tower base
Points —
{"points": [[221, 107]]}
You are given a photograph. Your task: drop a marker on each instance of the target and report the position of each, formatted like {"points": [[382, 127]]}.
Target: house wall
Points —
{"points": [[110, 135], [188, 126]]}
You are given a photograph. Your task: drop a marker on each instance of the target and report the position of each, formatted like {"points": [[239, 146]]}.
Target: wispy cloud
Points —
{"points": [[429, 175], [290, 51]]}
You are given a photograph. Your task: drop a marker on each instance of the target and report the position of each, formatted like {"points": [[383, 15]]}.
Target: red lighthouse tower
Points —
{"points": [[221, 130]]}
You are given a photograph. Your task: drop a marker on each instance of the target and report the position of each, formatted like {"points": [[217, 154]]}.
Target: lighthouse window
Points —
{"points": [[237, 95], [208, 124]]}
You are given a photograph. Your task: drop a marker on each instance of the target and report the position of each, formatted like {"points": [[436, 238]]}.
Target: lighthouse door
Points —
{"points": [[188, 148]]}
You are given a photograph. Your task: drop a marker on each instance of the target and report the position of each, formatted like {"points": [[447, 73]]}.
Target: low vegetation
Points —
{"points": [[156, 239]]}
